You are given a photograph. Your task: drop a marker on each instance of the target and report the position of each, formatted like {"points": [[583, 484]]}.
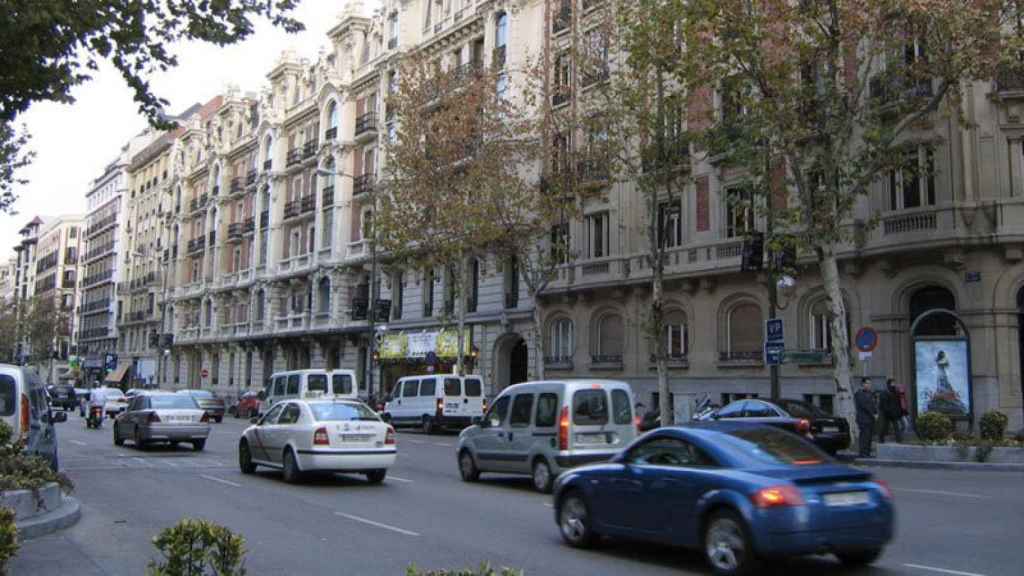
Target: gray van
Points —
{"points": [[544, 428], [24, 407]]}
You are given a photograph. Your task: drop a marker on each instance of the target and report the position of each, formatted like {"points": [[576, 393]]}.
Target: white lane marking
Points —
{"points": [[378, 524], [171, 464], [397, 479], [221, 480], [940, 493], [443, 444], [78, 443], [942, 570], [140, 461], [549, 504], [413, 441]]}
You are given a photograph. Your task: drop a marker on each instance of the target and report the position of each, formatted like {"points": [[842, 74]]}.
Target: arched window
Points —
{"points": [[332, 116], [208, 314], [328, 175], [931, 298], [561, 340], [323, 296], [260, 305], [743, 338], [268, 149], [216, 179], [610, 338], [677, 337]]}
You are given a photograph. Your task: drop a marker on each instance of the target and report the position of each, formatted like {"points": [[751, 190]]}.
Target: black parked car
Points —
{"points": [[828, 432]]}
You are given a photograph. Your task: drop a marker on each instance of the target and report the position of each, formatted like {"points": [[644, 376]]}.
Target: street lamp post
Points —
{"points": [[371, 316]]}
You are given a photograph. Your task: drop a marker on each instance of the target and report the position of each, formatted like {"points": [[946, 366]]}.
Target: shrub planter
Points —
{"points": [[41, 512], [918, 453]]}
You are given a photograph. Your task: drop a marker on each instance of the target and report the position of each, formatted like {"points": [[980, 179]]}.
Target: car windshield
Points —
{"points": [[114, 394], [800, 409], [772, 446], [172, 402], [339, 411], [201, 393]]}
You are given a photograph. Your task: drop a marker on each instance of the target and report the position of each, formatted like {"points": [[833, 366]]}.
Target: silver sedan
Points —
{"points": [[162, 417]]}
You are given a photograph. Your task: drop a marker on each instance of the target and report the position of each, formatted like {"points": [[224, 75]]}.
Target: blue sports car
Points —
{"points": [[740, 492]]}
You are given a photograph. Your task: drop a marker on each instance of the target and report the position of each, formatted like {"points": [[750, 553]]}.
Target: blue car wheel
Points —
{"points": [[727, 547], [574, 520]]}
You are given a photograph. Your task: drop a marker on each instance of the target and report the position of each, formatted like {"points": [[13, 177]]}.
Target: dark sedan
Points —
{"points": [[213, 405], [740, 492], [828, 432]]}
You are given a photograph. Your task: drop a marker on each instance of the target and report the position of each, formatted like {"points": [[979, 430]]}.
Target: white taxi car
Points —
{"points": [[319, 435]]}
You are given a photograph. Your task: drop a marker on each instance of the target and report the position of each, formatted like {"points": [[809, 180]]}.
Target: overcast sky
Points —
{"points": [[74, 142]]}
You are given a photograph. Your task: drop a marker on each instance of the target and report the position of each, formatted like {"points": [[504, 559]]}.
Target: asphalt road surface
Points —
{"points": [[950, 522]]}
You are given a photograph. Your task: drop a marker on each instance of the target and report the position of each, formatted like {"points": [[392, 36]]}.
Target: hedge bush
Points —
{"points": [[21, 471], [197, 548], [993, 425], [484, 570], [934, 427], [8, 538]]}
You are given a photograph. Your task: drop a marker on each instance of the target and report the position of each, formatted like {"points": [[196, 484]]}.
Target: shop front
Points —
{"points": [[417, 353]]}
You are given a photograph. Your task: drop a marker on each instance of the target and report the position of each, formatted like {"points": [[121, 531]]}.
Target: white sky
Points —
{"points": [[73, 143]]}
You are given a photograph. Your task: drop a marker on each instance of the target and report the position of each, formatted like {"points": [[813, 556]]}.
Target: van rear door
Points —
{"points": [[453, 399], [602, 419], [342, 385], [473, 394]]}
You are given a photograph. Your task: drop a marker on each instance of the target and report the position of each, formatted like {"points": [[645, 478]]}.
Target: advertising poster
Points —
{"points": [[943, 381]]}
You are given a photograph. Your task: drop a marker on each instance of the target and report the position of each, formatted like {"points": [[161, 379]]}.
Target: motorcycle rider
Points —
{"points": [[97, 398]]}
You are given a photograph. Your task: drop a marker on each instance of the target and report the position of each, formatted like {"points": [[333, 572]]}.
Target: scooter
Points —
{"points": [[95, 418]]}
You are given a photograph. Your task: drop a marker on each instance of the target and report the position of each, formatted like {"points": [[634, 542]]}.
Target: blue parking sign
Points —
{"points": [[773, 330]]}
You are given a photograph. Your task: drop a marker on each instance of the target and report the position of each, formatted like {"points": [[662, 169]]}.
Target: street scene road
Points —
{"points": [[949, 522]]}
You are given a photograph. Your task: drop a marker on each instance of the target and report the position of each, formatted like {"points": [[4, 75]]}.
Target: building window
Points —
{"points": [[323, 296], [820, 329], [511, 282], [560, 243], [208, 311], [743, 332], [500, 40], [913, 184], [215, 370], [474, 285], [563, 79], [739, 214], [393, 30], [366, 224], [328, 229], [609, 339], [677, 338], [397, 294], [561, 339], [670, 225], [597, 229], [428, 292]]}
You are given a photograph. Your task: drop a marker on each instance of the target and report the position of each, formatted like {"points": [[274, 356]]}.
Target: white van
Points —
{"points": [[544, 428], [299, 384], [24, 407], [436, 401]]}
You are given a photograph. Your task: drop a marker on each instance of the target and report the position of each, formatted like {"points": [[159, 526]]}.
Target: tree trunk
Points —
{"points": [[538, 336], [460, 303], [840, 343], [660, 346]]}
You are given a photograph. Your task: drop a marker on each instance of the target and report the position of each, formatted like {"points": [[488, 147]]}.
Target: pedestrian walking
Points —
{"points": [[890, 412], [864, 400]]}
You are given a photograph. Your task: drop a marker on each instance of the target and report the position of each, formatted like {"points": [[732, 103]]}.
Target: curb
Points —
{"points": [[972, 466], [64, 517]]}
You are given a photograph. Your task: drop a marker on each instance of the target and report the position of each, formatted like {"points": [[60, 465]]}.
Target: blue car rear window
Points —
{"points": [[7, 398], [773, 446]]}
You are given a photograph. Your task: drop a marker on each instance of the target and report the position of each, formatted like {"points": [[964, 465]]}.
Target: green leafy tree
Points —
{"points": [[43, 322], [8, 330], [14, 155], [827, 97]]}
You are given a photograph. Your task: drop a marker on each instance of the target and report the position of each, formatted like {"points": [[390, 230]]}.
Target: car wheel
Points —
{"points": [[219, 419], [727, 546], [428, 425], [860, 557], [376, 476], [574, 520], [140, 444], [291, 468], [467, 467], [245, 459], [118, 441], [198, 445], [542, 479]]}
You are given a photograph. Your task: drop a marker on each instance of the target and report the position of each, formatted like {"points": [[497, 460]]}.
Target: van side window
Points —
{"points": [[590, 407], [428, 387], [279, 386], [621, 408], [316, 383], [342, 383], [522, 406], [293, 384], [7, 395], [409, 388], [452, 387], [496, 415], [473, 387], [547, 410]]}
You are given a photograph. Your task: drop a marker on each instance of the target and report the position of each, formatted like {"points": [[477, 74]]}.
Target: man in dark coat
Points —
{"points": [[890, 411], [864, 400]]}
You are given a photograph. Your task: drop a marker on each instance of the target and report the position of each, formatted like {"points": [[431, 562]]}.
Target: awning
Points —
{"points": [[117, 376]]}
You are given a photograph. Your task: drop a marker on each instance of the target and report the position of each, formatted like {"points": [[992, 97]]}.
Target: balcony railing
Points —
{"points": [[309, 149], [102, 304], [362, 184], [563, 18], [251, 177], [331, 134], [561, 96], [249, 225], [294, 157], [291, 209], [308, 203], [1009, 79], [101, 225], [606, 361], [558, 362], [468, 71], [328, 196], [740, 356], [888, 88], [366, 123], [196, 244], [590, 170], [99, 251], [97, 278], [93, 333], [235, 230], [236, 184]]}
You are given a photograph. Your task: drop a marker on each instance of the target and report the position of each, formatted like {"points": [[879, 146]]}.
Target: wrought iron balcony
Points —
{"points": [[309, 149], [328, 196], [362, 184], [249, 225], [291, 209], [196, 245], [294, 157], [236, 184], [331, 134], [235, 230], [563, 18], [740, 356], [250, 178], [366, 123], [308, 203], [1009, 79]]}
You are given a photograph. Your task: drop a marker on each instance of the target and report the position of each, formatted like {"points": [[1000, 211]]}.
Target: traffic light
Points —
{"points": [[753, 253]]}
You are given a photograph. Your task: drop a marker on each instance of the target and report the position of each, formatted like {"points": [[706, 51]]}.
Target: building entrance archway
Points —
{"points": [[512, 361]]}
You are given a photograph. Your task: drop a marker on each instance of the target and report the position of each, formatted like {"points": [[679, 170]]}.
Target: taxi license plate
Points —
{"points": [[846, 498], [356, 437]]}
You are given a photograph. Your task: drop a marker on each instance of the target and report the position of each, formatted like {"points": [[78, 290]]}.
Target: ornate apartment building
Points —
{"points": [[58, 270]]}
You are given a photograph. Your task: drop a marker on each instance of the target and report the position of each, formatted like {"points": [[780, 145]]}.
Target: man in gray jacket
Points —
{"points": [[867, 409]]}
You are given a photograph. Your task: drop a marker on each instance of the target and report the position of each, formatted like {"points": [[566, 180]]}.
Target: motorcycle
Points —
{"points": [[95, 418]]}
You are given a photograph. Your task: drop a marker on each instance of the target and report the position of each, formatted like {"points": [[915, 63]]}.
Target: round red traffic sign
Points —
{"points": [[866, 339], [205, 373]]}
